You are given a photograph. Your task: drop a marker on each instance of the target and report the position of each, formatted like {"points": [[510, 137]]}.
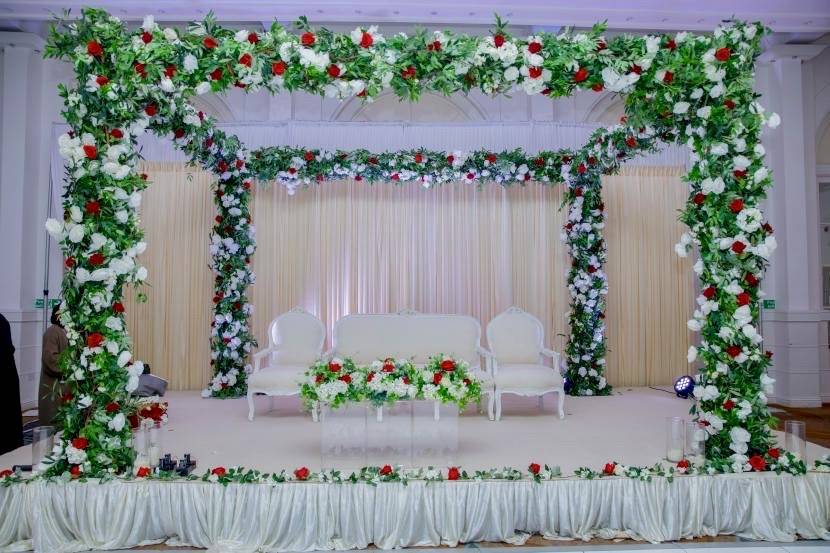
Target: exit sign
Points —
{"points": [[769, 304], [52, 303]]}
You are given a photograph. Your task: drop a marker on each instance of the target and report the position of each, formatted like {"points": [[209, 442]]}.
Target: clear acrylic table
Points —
{"points": [[407, 433]]}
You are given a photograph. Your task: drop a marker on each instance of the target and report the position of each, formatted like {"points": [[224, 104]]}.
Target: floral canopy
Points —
{"points": [[694, 90]]}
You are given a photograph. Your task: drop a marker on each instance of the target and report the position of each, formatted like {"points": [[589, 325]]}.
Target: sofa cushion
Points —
{"points": [[286, 378], [298, 338], [527, 377], [515, 337]]}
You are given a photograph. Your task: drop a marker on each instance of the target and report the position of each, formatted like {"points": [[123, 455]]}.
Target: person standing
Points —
{"points": [[49, 397], [11, 415]]}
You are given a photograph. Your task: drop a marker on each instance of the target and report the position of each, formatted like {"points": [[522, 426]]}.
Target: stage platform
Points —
{"points": [[628, 427]]}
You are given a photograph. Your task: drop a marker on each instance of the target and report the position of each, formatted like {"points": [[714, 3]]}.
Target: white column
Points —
{"points": [[20, 210], [795, 330]]}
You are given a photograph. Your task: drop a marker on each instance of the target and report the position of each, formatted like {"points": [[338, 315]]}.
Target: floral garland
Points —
{"points": [[340, 381], [697, 87]]}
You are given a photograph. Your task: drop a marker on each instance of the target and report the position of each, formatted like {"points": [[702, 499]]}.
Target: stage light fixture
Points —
{"points": [[684, 386]]}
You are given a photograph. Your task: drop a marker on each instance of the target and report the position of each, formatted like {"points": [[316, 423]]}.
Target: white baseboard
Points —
{"points": [[803, 402]]}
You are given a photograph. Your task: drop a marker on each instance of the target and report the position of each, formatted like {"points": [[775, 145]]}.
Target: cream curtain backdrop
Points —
{"points": [[351, 247]]}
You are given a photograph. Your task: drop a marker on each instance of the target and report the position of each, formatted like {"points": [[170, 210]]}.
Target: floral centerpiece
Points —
{"points": [[449, 381], [333, 383], [391, 380]]}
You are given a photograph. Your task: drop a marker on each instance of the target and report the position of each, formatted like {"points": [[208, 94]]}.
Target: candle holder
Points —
{"points": [[43, 439], [795, 438], [154, 445], [695, 443], [675, 439]]}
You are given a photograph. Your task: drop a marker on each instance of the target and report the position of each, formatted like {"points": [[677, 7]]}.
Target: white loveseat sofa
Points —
{"points": [[411, 335]]}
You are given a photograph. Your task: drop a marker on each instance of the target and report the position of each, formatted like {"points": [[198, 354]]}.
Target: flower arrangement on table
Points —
{"points": [[387, 381], [149, 410]]}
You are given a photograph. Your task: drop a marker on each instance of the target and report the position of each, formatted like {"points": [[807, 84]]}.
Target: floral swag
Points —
{"points": [[691, 89]]}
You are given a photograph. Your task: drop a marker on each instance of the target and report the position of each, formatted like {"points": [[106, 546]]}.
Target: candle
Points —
{"points": [[674, 455]]}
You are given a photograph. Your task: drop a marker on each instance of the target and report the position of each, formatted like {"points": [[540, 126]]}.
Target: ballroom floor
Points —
{"points": [[628, 427]]}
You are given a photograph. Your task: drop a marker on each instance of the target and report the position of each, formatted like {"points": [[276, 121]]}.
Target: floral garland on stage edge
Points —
{"points": [[340, 381], [700, 87]]}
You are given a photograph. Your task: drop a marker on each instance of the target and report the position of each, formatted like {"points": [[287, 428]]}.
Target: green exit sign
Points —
{"points": [[769, 304], [52, 302]]}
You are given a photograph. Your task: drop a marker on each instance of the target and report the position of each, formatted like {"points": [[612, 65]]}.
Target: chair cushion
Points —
{"points": [[285, 378], [528, 377]]}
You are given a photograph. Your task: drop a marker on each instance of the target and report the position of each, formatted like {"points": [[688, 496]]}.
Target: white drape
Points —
{"points": [[69, 517]]}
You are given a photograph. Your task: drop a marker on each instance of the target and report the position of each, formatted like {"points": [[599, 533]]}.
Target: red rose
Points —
{"points": [[94, 340], [333, 71], [309, 156], [630, 141], [668, 77], [592, 269], [90, 151], [209, 42], [597, 87], [534, 47], [436, 378], [366, 40], [434, 46], [395, 176], [736, 205], [768, 354], [146, 37], [609, 468], [142, 472], [117, 133], [742, 299], [729, 104], [302, 473], [757, 462], [345, 378], [253, 38], [5, 472], [578, 191], [112, 407], [498, 40], [278, 68], [92, 207], [178, 133], [534, 468], [534, 72], [580, 75], [491, 158], [452, 474], [738, 247], [581, 169], [94, 48], [97, 258], [450, 159], [683, 464], [774, 452], [751, 280], [80, 443], [722, 54], [733, 351], [307, 39], [222, 166], [636, 69], [419, 158], [216, 74], [318, 379], [601, 45], [370, 377], [767, 228], [69, 262], [75, 471], [471, 176], [728, 405], [388, 366], [447, 365], [739, 173], [151, 109], [335, 367], [671, 44], [139, 68], [699, 198], [709, 292], [245, 59], [101, 80], [219, 471], [386, 470]]}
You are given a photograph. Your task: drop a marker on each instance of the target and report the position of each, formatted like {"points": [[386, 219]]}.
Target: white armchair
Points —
{"points": [[516, 342], [295, 343]]}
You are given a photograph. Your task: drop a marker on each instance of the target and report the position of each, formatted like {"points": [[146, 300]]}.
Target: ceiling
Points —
{"points": [[806, 18]]}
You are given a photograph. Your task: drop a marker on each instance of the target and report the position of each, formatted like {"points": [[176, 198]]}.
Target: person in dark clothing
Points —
{"points": [[11, 415]]}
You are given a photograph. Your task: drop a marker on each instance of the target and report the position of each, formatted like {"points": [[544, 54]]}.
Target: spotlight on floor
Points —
{"points": [[567, 386], [684, 386]]}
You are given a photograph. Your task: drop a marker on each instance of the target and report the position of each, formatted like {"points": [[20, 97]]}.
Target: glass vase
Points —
{"points": [[795, 438], [43, 440], [154, 444], [695, 443], [675, 439]]}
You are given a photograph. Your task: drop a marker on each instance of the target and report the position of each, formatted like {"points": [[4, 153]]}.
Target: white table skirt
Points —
{"points": [[68, 517]]}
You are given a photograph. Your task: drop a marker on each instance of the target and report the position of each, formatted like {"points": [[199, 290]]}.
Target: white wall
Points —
{"points": [[796, 331]]}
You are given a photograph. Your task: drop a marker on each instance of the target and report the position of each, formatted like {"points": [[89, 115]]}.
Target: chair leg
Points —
{"points": [[270, 403], [250, 405], [380, 414], [437, 411], [498, 406], [315, 412], [561, 404], [490, 403], [541, 401]]}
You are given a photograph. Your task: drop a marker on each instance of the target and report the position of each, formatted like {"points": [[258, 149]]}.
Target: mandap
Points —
{"points": [[688, 89]]}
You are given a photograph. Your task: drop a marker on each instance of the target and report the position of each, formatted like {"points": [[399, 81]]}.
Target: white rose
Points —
{"points": [[202, 88], [773, 120], [170, 34], [691, 355], [117, 422], [54, 228], [681, 107], [190, 63], [511, 73], [141, 274], [76, 233], [694, 325]]}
